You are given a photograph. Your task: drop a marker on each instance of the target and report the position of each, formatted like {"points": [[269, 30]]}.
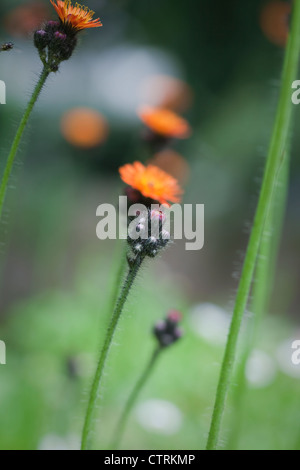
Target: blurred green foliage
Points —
{"points": [[52, 340]]}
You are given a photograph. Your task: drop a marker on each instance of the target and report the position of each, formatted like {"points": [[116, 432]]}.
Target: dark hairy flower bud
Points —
{"points": [[54, 44], [147, 236], [57, 40], [62, 45], [41, 39], [167, 331]]}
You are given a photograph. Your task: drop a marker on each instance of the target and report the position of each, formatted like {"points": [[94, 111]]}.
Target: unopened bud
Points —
{"points": [[60, 36], [41, 39], [167, 331]]}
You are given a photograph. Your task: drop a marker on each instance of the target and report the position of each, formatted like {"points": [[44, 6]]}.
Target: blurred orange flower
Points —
{"points": [[84, 127], [164, 122], [24, 19], [173, 163], [77, 17], [274, 21], [151, 182], [166, 92]]}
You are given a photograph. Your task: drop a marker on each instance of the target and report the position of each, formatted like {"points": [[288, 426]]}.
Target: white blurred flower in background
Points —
{"points": [[261, 369], [210, 322], [284, 355], [112, 80], [159, 416], [55, 442]]}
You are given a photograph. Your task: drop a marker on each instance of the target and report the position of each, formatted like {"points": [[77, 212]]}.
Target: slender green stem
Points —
{"points": [[132, 398], [275, 157], [87, 429], [264, 277], [266, 265], [119, 269], [15, 145]]}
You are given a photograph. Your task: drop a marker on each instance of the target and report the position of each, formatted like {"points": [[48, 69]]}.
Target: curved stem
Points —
{"points": [[132, 398], [275, 157], [15, 145], [87, 428], [262, 290]]}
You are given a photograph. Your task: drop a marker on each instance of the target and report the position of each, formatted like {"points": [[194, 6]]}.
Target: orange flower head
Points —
{"points": [[84, 127], [76, 17], [151, 182], [164, 122]]}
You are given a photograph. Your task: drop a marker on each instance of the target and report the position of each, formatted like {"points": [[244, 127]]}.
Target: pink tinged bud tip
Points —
{"points": [[174, 316], [158, 215]]}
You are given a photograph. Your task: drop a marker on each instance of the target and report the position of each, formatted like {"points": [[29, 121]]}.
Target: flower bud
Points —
{"points": [[167, 331], [148, 237], [60, 45], [41, 39]]}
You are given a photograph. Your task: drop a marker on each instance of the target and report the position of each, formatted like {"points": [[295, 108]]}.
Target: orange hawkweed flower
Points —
{"points": [[166, 92], [173, 163], [76, 17], [151, 182], [164, 122]]}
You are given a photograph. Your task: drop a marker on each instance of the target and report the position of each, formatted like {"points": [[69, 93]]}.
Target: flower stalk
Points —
{"points": [[141, 243], [276, 156], [262, 290], [97, 382], [55, 43], [166, 333], [15, 145], [119, 432]]}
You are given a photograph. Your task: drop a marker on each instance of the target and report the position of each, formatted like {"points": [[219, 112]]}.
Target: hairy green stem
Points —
{"points": [[15, 145], [266, 266], [262, 290], [276, 155], [118, 274], [94, 394], [132, 398]]}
